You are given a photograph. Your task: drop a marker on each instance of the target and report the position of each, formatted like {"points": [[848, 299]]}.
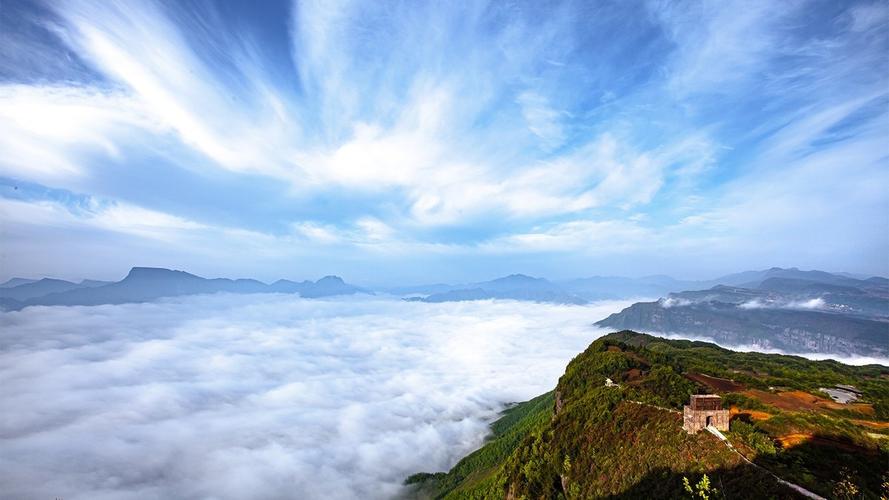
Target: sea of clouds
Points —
{"points": [[265, 396]]}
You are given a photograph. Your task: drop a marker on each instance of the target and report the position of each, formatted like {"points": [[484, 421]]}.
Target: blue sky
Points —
{"points": [[446, 141]]}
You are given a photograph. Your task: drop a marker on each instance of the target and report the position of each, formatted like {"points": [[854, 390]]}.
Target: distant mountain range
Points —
{"points": [[514, 287], [522, 287], [808, 311], [144, 284], [583, 290], [789, 309]]}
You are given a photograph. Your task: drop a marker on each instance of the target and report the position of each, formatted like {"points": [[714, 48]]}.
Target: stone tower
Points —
{"points": [[702, 411]]}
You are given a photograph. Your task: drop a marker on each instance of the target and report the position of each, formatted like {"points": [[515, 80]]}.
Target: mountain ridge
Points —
{"points": [[144, 284], [791, 310], [611, 428]]}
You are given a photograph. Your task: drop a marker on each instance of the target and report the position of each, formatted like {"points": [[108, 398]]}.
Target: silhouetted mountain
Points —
{"points": [[43, 287], [144, 284], [329, 285], [616, 287], [612, 287], [752, 279], [16, 282], [512, 287], [10, 304], [517, 282], [94, 283], [326, 286], [553, 296]]}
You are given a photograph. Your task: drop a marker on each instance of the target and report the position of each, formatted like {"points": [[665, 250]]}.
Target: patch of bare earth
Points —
{"points": [[800, 400], [872, 424], [797, 438], [715, 383], [751, 414]]}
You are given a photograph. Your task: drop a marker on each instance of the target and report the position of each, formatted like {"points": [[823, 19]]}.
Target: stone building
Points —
{"points": [[703, 411]]}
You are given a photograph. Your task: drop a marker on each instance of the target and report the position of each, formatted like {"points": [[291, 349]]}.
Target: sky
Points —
{"points": [[267, 396], [397, 142]]}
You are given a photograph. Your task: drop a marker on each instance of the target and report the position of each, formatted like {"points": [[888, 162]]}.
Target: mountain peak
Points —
{"points": [[519, 277], [331, 279], [154, 273]]}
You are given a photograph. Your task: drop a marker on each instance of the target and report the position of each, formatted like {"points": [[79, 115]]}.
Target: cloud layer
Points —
{"points": [[264, 396]]}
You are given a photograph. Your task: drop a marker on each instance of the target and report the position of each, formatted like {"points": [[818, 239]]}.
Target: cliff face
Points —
{"points": [[800, 311], [791, 330]]}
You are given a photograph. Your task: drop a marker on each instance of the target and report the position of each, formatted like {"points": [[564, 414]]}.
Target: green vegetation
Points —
{"points": [[745, 403], [586, 440], [758, 441], [701, 490], [762, 371], [475, 475]]}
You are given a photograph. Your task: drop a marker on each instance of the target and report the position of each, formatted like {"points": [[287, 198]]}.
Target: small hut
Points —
{"points": [[704, 410]]}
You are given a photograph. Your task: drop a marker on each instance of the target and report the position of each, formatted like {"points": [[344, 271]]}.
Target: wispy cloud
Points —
{"points": [[521, 128]]}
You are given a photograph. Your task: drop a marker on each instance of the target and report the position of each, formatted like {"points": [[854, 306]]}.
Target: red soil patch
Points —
{"points": [[614, 348], [791, 440], [799, 400], [633, 375], [718, 384], [753, 414], [872, 424]]}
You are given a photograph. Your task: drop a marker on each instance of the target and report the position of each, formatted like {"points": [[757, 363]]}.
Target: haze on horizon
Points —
{"points": [[415, 142]]}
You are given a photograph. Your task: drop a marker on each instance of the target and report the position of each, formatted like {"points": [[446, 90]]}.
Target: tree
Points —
{"points": [[845, 488], [702, 490]]}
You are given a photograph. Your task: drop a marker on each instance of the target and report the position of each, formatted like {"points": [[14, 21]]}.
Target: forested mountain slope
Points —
{"points": [[587, 440]]}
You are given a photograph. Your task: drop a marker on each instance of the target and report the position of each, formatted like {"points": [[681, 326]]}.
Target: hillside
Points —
{"points": [[586, 440]]}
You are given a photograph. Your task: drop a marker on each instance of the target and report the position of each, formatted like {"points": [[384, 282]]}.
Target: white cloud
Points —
{"points": [[265, 396], [867, 16], [542, 119], [355, 129], [755, 304], [484, 118], [114, 217], [674, 302], [816, 303], [720, 45], [585, 236], [45, 130]]}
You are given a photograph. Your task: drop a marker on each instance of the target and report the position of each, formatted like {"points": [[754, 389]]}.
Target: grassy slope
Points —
{"points": [[476, 474], [599, 444]]}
